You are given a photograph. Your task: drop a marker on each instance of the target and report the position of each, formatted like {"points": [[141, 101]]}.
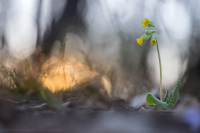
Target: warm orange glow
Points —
{"points": [[65, 75]]}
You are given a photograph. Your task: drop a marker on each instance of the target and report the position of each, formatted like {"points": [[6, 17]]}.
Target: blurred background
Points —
{"points": [[94, 41]]}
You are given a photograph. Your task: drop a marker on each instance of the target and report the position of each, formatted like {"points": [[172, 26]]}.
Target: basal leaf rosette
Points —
{"points": [[168, 102]]}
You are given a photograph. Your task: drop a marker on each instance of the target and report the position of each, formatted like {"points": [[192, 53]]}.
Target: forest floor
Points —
{"points": [[40, 118]]}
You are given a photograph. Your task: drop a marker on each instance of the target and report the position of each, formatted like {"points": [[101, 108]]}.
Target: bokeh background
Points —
{"points": [[106, 45]]}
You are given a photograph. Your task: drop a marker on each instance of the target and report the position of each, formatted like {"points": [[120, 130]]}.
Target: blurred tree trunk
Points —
{"points": [[58, 29], [69, 22], [191, 78], [38, 23]]}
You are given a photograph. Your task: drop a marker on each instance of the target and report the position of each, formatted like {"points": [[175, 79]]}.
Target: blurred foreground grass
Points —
{"points": [[48, 84], [83, 75]]}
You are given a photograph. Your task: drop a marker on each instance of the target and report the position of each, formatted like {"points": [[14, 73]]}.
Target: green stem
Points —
{"points": [[160, 72], [160, 69]]}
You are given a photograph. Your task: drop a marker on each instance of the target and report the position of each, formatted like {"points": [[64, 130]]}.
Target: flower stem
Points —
{"points": [[160, 72], [160, 68]]}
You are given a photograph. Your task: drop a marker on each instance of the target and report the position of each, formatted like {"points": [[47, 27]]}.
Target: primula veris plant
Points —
{"points": [[169, 101]]}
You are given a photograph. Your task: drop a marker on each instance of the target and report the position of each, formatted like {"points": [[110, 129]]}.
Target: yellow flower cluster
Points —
{"points": [[153, 41], [140, 41], [148, 33], [145, 22]]}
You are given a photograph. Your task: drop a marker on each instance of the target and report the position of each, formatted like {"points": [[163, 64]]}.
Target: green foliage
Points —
{"points": [[51, 101], [154, 36], [159, 103], [48, 97], [166, 96], [20, 81], [174, 95], [150, 100], [151, 24], [146, 36], [149, 32], [168, 102]]}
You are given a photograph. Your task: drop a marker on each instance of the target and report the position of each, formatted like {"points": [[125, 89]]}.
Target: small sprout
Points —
{"points": [[51, 101]]}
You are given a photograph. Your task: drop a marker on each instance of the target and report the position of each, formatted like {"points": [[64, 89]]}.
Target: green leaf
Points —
{"points": [[151, 24], [174, 95], [145, 37], [149, 32], [167, 100], [166, 96], [163, 105], [149, 100], [51, 101], [48, 97]]}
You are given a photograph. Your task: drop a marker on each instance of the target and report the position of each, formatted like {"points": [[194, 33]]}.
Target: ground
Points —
{"points": [[118, 119]]}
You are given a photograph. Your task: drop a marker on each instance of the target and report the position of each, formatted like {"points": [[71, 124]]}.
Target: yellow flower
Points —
{"points": [[145, 22], [139, 41], [153, 41]]}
